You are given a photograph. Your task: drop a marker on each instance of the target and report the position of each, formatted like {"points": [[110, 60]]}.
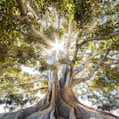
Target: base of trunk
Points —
{"points": [[64, 106]]}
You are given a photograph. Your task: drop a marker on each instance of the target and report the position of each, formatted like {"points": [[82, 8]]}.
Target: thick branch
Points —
{"points": [[68, 71], [35, 33], [82, 65], [79, 80], [38, 35], [66, 61]]}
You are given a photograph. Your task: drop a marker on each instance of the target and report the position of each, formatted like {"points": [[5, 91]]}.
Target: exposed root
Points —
{"points": [[45, 114], [79, 111], [65, 106], [72, 114], [94, 113], [52, 116]]}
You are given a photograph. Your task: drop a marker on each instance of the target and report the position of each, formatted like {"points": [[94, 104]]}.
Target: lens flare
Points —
{"points": [[58, 46]]}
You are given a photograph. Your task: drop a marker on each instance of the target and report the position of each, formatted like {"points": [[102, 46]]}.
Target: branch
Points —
{"points": [[116, 62], [102, 37], [13, 16], [38, 35], [7, 77], [33, 81], [39, 88], [76, 44], [21, 7], [68, 42], [114, 54], [79, 80], [35, 33], [26, 83], [98, 64], [82, 65], [79, 69], [66, 61], [33, 14], [21, 57], [98, 38], [112, 59]]}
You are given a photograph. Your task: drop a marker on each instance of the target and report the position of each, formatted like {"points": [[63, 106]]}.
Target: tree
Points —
{"points": [[72, 41]]}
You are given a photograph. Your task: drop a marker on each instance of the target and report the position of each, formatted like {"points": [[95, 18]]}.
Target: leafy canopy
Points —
{"points": [[58, 19]]}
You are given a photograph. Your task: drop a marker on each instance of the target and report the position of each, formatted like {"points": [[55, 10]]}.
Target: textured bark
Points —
{"points": [[59, 103]]}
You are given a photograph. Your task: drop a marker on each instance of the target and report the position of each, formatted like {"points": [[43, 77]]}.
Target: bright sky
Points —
{"points": [[28, 70]]}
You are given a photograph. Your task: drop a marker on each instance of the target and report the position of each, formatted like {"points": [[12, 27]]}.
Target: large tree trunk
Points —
{"points": [[59, 103]]}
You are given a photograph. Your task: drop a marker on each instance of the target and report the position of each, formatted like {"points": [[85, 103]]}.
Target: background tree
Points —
{"points": [[71, 42]]}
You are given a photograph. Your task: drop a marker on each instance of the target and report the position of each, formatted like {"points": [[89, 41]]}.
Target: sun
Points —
{"points": [[58, 46]]}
